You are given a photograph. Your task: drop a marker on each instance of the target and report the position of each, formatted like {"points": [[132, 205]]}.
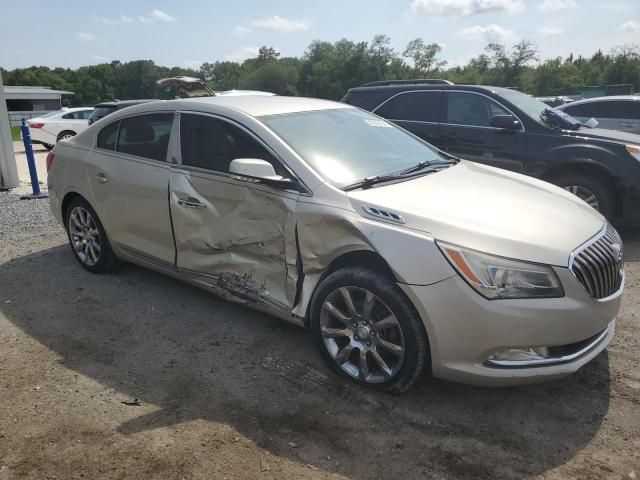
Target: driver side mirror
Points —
{"points": [[507, 122], [256, 170]]}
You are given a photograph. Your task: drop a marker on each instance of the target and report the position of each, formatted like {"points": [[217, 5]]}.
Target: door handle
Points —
{"points": [[101, 177], [191, 203]]}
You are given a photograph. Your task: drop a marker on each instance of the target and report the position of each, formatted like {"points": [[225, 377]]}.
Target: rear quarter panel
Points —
{"points": [[68, 175]]}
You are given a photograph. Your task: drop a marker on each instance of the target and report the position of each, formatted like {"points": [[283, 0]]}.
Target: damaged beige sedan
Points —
{"points": [[399, 258]]}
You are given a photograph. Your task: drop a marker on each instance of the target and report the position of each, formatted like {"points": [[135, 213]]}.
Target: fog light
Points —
{"points": [[513, 356]]}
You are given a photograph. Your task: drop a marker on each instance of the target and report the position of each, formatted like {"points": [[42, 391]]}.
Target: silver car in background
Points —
{"points": [[616, 112], [399, 258]]}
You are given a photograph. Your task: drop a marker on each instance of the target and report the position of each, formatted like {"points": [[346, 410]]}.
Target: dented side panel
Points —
{"points": [[242, 242]]}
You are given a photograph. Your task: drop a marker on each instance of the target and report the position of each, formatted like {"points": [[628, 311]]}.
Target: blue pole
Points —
{"points": [[31, 161]]}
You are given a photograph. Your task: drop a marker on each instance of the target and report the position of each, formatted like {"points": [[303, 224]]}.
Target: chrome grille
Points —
{"points": [[598, 264]]}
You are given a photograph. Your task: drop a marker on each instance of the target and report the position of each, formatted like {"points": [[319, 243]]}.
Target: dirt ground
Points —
{"points": [[218, 391]]}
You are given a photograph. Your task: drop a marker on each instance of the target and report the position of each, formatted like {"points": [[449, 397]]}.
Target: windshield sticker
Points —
{"points": [[376, 123]]}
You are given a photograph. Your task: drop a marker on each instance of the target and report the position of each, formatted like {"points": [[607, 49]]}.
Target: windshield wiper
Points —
{"points": [[367, 182], [427, 163]]}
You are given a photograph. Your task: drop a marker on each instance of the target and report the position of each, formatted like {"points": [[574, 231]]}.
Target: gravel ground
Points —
{"points": [[214, 390]]}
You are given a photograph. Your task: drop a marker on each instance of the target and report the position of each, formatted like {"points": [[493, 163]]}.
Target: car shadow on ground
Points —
{"points": [[195, 356]]}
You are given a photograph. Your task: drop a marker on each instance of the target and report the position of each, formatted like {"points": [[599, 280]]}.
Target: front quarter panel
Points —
{"points": [[327, 232]]}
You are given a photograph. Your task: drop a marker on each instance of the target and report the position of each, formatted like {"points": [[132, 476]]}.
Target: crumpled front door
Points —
{"points": [[238, 238]]}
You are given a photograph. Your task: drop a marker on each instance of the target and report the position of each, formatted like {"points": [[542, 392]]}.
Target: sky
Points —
{"points": [[189, 32]]}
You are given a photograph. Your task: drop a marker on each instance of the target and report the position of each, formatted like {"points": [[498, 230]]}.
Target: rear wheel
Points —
{"points": [[87, 237], [592, 191], [368, 331], [66, 135]]}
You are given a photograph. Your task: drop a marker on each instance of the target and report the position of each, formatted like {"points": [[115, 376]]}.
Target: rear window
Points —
{"points": [[100, 112], [146, 135], [108, 136], [366, 99], [414, 106]]}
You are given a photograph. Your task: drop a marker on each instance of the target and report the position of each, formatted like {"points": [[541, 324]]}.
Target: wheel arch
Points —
{"points": [[353, 258], [590, 168], [61, 134]]}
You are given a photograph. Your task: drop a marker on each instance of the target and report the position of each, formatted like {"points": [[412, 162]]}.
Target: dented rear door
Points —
{"points": [[238, 238]]}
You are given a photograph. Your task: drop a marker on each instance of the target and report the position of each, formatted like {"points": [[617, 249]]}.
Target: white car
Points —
{"points": [[616, 112], [62, 124]]}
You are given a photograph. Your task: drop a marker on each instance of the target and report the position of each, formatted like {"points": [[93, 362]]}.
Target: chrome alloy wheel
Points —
{"points": [[362, 334], [85, 237], [584, 194]]}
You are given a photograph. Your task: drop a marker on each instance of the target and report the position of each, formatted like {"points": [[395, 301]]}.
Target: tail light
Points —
{"points": [[35, 125], [49, 160]]}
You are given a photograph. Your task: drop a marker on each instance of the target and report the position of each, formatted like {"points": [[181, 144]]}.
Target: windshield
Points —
{"points": [[535, 108], [346, 145]]}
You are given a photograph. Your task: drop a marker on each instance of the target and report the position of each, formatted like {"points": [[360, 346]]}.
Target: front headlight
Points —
{"points": [[496, 277]]}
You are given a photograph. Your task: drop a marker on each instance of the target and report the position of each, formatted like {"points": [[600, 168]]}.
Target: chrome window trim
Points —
{"points": [[265, 145], [552, 360]]}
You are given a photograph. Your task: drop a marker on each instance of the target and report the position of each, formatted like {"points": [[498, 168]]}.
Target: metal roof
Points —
{"points": [[24, 92]]}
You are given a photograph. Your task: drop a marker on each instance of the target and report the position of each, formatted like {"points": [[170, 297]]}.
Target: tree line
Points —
{"points": [[329, 69]]}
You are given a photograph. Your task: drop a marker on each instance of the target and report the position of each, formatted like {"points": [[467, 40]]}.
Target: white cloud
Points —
{"points": [[630, 26], [85, 37], [99, 58], [275, 23], [490, 33], [117, 21], [550, 31], [240, 29], [242, 54], [555, 5], [193, 64], [464, 8], [157, 16]]}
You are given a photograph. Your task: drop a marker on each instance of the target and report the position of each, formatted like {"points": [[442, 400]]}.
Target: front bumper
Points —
{"points": [[465, 329]]}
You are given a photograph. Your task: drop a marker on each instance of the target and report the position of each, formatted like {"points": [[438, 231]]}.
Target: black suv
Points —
{"points": [[106, 108], [509, 129]]}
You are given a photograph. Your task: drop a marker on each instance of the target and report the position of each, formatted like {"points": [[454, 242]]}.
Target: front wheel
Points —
{"points": [[367, 330], [87, 237]]}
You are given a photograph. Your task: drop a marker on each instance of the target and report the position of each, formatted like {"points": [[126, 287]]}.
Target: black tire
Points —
{"points": [[106, 259], [416, 346], [602, 192], [66, 133]]}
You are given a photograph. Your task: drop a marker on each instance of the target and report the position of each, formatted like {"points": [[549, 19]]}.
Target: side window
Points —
{"points": [[581, 110], [606, 110], [69, 116], [211, 143], [417, 106], [108, 136], [631, 109], [84, 114], [146, 135], [471, 109]]}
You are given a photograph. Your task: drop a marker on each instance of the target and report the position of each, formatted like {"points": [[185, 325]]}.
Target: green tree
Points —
{"points": [[424, 56]]}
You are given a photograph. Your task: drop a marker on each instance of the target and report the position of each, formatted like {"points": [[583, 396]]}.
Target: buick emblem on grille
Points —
{"points": [[617, 251]]}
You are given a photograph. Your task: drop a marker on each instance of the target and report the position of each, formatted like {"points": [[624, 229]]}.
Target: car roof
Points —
{"points": [[124, 103], [623, 98], [259, 105], [418, 86]]}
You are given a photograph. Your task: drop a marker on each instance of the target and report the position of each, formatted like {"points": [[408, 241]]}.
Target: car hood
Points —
{"points": [[604, 134], [489, 209]]}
